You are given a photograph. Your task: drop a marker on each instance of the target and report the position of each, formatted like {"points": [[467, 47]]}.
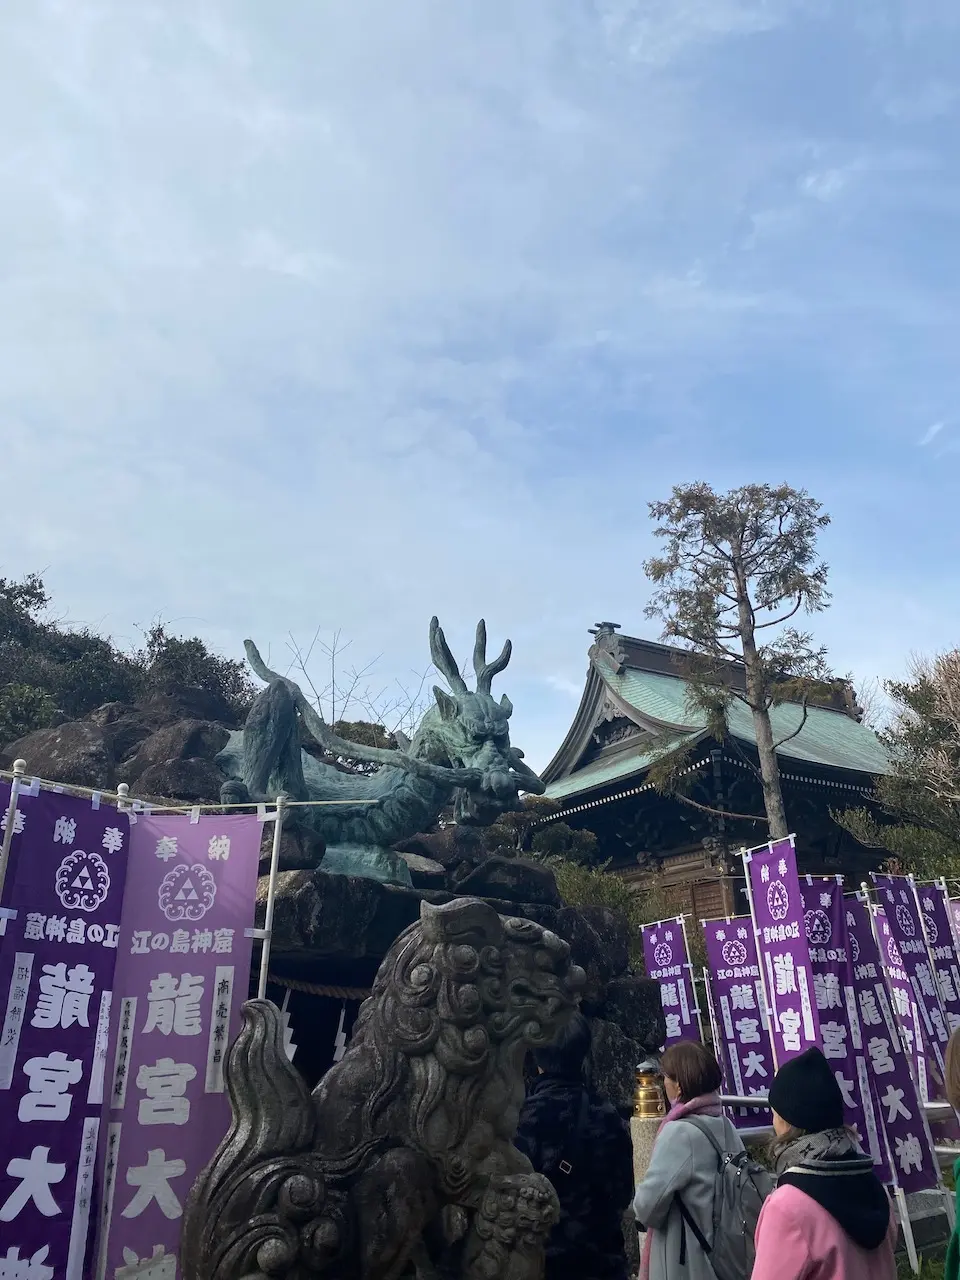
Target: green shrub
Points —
{"points": [[584, 886], [23, 708], [46, 665]]}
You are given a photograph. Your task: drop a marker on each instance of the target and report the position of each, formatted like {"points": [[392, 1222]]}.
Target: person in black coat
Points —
{"points": [[578, 1140]]}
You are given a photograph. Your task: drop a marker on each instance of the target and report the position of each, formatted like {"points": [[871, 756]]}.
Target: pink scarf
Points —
{"points": [[707, 1105]]}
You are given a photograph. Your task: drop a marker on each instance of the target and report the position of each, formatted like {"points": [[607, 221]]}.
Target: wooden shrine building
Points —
{"points": [[687, 844]]}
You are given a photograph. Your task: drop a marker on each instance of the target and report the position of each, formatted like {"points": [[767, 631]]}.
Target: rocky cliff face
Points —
{"points": [[165, 748]]}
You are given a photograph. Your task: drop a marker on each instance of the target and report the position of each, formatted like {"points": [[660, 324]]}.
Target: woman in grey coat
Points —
{"points": [[683, 1167]]}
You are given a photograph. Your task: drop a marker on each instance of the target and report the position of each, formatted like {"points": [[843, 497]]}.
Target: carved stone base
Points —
{"points": [[367, 861]]}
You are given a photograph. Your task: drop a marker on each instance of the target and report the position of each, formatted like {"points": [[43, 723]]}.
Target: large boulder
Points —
{"points": [[183, 740], [613, 929], [109, 713], [424, 872], [349, 917], [125, 735], [191, 781], [343, 917], [189, 702], [613, 1063], [598, 941], [300, 849], [76, 753], [124, 727], [458, 849], [633, 1004], [511, 880]]}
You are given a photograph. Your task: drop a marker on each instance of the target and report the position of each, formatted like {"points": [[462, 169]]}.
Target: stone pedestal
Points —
{"points": [[643, 1132], [644, 1135]]}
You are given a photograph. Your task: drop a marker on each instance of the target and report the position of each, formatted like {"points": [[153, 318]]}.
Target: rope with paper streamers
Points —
{"points": [[320, 989]]}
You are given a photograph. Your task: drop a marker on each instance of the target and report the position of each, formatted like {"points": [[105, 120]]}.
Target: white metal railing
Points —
{"points": [[936, 1111]]}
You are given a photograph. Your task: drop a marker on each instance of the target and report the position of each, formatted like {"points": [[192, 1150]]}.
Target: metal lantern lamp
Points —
{"points": [[649, 1100]]}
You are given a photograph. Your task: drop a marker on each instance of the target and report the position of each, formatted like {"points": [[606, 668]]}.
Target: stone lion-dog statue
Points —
{"points": [[401, 1162]]}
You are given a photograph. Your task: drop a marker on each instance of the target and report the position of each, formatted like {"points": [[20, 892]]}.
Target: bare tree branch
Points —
{"points": [[720, 813], [778, 622], [393, 708], [790, 736], [748, 763]]}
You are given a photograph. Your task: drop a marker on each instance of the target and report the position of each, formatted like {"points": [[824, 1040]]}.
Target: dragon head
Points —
{"points": [[463, 742], [471, 730]]}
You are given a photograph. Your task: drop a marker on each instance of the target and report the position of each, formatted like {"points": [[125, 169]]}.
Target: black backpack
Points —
{"points": [[741, 1187]]}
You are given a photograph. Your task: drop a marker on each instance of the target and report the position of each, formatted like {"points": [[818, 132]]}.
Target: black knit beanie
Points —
{"points": [[806, 1094]]}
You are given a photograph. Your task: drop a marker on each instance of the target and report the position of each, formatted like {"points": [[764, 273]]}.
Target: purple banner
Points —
{"points": [[182, 973], [907, 1134], [904, 1004], [743, 1027], [938, 932], [897, 897], [777, 909], [665, 954], [840, 1022], [954, 904], [58, 954]]}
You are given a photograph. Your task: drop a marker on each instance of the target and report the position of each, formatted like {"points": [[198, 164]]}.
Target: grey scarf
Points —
{"points": [[812, 1147], [830, 1168]]}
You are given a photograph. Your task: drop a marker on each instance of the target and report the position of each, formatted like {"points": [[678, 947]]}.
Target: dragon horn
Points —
{"points": [[487, 670], [443, 659]]}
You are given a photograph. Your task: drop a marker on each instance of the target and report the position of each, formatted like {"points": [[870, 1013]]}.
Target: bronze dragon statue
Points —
{"points": [[461, 751], [400, 1163]]}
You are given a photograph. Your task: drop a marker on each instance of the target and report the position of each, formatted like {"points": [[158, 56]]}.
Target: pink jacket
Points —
{"points": [[798, 1240]]}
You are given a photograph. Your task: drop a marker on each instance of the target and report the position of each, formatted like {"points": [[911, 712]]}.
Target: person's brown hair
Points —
{"points": [[694, 1068], [952, 1071]]}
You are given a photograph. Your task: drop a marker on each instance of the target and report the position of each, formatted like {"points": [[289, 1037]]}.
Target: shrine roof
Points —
{"points": [[637, 680], [599, 772]]}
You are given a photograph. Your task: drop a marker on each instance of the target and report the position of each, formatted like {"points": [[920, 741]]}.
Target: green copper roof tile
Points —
{"points": [[828, 738], [604, 771]]}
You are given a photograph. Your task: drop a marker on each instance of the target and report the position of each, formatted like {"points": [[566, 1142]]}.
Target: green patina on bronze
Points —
{"points": [[461, 752]]}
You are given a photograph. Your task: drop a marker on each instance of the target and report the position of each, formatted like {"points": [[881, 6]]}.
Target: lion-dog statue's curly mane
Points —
{"points": [[401, 1162]]}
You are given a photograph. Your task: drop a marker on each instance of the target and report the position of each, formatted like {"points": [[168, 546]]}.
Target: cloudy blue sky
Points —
{"points": [[341, 314]]}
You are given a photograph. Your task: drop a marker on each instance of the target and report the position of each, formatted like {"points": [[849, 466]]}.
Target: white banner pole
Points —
{"points": [[267, 935], [907, 1227], [690, 970], [19, 769]]}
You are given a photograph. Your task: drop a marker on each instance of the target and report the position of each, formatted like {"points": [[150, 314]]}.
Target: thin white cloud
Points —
{"points": [[825, 185], [564, 685], [659, 32], [931, 433]]}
